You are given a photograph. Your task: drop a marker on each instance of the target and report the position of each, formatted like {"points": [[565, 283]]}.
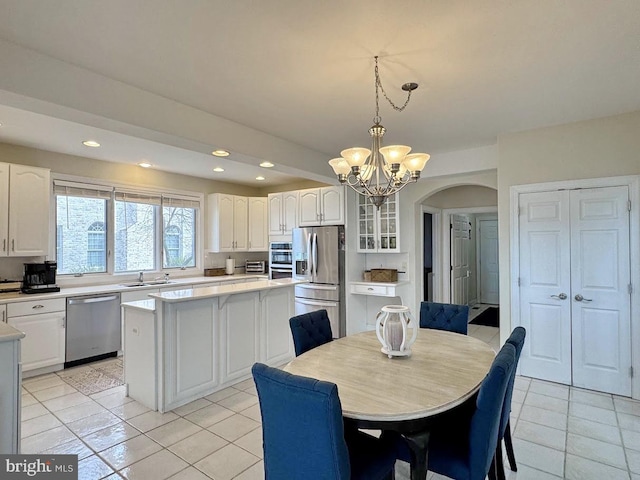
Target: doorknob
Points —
{"points": [[580, 298], [562, 296]]}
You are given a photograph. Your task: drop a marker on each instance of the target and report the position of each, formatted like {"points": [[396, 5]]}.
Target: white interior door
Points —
{"points": [[488, 255], [574, 280], [545, 285], [600, 299], [460, 268]]}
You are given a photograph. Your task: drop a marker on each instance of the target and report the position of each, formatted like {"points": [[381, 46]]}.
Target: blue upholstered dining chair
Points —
{"points": [[303, 433], [444, 316], [310, 330], [517, 340], [463, 443]]}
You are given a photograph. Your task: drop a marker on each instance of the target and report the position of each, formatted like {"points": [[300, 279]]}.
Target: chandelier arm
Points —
{"points": [[379, 84]]}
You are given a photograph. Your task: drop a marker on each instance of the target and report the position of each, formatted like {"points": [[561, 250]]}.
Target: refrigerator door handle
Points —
{"points": [[309, 256], [316, 286], [317, 303], [315, 254]]}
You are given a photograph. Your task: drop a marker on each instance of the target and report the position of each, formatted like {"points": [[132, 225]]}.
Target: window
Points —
{"points": [[135, 228], [80, 247], [179, 234], [146, 231], [97, 247]]}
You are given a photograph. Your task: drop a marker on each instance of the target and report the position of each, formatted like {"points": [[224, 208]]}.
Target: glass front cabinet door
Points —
{"points": [[378, 229]]}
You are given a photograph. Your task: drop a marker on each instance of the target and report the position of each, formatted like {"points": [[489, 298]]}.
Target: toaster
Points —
{"points": [[255, 266]]}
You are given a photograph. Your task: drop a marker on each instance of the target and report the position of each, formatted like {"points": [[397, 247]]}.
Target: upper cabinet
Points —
{"points": [[257, 226], [24, 210], [228, 223], [237, 224], [283, 213], [321, 206], [378, 229]]}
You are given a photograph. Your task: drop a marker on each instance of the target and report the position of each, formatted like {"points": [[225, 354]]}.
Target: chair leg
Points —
{"points": [[492, 469], [509, 445], [499, 462]]}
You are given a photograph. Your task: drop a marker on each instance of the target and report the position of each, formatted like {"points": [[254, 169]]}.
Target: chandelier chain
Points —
{"points": [[377, 118]]}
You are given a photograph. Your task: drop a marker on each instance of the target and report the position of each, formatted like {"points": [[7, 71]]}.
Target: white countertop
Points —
{"points": [[108, 288], [144, 305], [8, 333], [210, 292]]}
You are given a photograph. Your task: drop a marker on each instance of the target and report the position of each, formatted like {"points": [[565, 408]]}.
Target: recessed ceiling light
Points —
{"points": [[90, 143], [145, 165], [260, 177], [266, 164], [220, 153], [218, 169]]}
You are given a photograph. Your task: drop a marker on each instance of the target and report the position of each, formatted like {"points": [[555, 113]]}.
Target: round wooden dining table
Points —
{"points": [[403, 394]]}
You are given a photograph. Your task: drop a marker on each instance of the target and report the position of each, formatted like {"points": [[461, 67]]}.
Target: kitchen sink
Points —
{"points": [[147, 284]]}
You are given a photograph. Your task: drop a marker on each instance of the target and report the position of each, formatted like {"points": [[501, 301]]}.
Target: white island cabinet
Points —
{"points": [[10, 393], [186, 344]]}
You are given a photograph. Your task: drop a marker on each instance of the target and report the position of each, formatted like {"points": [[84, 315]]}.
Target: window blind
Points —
{"points": [[87, 190]]}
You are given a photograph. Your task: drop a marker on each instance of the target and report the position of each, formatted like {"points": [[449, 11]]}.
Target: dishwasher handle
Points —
{"points": [[81, 301]]}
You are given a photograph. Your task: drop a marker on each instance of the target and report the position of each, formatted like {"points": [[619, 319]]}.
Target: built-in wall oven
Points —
{"points": [[280, 260]]}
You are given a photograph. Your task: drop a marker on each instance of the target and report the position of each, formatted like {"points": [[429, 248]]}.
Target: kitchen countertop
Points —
{"points": [[8, 333], [210, 292], [108, 288]]}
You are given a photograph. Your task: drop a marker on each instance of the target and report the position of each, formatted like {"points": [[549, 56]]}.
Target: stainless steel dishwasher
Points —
{"points": [[93, 326]]}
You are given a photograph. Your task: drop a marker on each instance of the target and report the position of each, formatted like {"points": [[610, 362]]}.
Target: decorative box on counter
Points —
{"points": [[385, 275], [214, 272]]}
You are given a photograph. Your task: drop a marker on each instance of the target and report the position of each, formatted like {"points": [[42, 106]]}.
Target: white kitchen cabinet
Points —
{"points": [[24, 210], [283, 213], [321, 206], [10, 393], [378, 228], [257, 225], [239, 315], [43, 322], [228, 222], [275, 334]]}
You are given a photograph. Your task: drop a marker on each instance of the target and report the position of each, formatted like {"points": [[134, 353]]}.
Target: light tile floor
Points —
{"points": [[559, 432]]}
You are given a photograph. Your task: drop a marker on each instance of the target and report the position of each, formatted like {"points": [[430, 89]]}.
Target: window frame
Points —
{"points": [[196, 198]]}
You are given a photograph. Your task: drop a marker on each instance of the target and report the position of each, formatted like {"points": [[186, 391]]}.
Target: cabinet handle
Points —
{"points": [[13, 245], [4, 318], [4, 245], [37, 306]]}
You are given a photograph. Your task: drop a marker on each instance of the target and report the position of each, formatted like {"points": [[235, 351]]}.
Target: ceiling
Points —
{"points": [[302, 71]]}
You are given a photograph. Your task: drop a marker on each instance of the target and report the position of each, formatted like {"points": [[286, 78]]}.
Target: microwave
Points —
{"points": [[280, 254]]}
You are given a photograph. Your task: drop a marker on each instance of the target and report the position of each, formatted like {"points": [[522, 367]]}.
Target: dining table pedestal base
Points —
{"points": [[418, 444]]}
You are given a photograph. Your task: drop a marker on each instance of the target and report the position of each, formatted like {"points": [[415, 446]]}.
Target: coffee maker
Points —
{"points": [[40, 277]]}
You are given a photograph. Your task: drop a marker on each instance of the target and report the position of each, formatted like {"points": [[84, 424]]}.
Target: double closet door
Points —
{"points": [[574, 284]]}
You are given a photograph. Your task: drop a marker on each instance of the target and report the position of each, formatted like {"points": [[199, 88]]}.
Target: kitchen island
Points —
{"points": [[182, 345]]}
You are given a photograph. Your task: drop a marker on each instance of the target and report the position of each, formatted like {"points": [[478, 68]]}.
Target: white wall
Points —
{"points": [[462, 168]]}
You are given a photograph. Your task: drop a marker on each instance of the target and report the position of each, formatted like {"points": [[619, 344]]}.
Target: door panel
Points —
{"points": [[544, 281], [574, 276], [601, 274], [460, 269], [489, 273]]}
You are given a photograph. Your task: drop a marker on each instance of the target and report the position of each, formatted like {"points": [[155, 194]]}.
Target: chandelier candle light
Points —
{"points": [[381, 171]]}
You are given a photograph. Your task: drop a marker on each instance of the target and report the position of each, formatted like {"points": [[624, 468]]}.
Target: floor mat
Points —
{"points": [[490, 318], [96, 378]]}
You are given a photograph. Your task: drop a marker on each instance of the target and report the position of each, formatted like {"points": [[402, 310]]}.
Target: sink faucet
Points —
{"points": [[141, 277]]}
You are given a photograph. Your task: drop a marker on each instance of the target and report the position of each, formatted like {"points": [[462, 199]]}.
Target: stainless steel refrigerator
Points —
{"points": [[318, 257]]}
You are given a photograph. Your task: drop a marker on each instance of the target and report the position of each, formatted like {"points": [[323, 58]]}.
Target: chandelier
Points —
{"points": [[382, 171]]}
